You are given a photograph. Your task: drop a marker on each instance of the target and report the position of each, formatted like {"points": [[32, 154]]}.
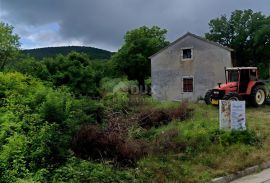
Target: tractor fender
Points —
{"points": [[252, 84]]}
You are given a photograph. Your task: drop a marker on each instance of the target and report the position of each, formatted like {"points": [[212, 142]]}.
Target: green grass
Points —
{"points": [[203, 160]]}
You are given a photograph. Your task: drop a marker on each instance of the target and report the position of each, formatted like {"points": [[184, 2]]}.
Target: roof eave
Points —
{"points": [[193, 35]]}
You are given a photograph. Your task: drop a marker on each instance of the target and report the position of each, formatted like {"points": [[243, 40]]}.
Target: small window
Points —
{"points": [[253, 75], [187, 54], [233, 76], [188, 84]]}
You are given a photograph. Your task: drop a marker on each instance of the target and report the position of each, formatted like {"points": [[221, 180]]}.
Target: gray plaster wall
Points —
{"points": [[206, 68]]}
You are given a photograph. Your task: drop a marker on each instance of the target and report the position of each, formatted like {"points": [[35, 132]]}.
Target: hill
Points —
{"points": [[94, 53]]}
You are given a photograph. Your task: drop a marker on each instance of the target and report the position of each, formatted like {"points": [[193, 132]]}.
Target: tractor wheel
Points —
{"points": [[258, 96], [232, 96], [207, 97]]}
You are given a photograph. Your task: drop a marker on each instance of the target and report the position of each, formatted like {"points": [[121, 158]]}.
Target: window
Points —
{"points": [[187, 54], [253, 75], [232, 76], [188, 84]]}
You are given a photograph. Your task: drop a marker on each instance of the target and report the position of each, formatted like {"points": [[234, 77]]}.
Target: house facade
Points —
{"points": [[188, 67]]}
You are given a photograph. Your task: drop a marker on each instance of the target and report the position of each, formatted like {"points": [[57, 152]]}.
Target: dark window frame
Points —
{"points": [[187, 84], [187, 54]]}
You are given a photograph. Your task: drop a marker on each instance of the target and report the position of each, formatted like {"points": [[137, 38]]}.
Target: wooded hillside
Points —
{"points": [[94, 53]]}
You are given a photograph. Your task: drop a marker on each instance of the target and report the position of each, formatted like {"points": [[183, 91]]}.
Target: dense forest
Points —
{"points": [[79, 114], [94, 53]]}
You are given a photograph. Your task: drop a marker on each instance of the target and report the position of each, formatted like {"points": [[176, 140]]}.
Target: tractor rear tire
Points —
{"points": [[258, 96], [232, 96], [207, 97]]}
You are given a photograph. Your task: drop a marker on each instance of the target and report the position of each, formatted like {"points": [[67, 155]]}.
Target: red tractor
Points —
{"points": [[242, 83]]}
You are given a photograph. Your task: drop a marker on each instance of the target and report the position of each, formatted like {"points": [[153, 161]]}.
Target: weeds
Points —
{"points": [[152, 117], [226, 138], [119, 139], [108, 144], [162, 147], [166, 142]]}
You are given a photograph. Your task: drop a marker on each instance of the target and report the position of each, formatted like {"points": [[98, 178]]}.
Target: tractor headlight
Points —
{"points": [[216, 92]]}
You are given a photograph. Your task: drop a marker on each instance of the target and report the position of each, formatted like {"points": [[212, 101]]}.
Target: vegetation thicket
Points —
{"points": [[79, 118]]}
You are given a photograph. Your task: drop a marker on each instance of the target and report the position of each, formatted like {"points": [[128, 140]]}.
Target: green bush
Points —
{"points": [[247, 137], [30, 66], [13, 158], [75, 71], [55, 107], [107, 84], [117, 101], [113, 85], [76, 170], [194, 141], [84, 111], [37, 124]]}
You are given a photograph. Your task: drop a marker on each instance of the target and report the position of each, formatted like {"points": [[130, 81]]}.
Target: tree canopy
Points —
{"points": [[9, 44], [247, 32], [132, 58], [75, 71]]}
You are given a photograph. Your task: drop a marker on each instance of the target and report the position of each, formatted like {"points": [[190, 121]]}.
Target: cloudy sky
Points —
{"points": [[103, 23]]}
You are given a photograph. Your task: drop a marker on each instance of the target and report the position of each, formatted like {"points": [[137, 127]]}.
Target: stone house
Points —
{"points": [[188, 67]]}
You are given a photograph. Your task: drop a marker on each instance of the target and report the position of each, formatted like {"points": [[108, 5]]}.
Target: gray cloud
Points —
{"points": [[103, 23]]}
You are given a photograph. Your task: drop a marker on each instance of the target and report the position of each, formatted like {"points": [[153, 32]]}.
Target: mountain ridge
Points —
{"points": [[92, 52]]}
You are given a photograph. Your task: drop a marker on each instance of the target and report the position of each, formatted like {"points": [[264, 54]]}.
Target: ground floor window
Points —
{"points": [[187, 84]]}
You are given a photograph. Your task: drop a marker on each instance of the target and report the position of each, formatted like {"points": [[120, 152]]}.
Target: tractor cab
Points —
{"points": [[242, 83], [241, 78]]}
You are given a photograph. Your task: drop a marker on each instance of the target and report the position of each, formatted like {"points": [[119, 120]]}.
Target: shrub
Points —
{"points": [[153, 117], [148, 84], [76, 170], [13, 162], [37, 125], [101, 144], [247, 137], [56, 107], [182, 112], [74, 71], [117, 102], [113, 85], [107, 85], [30, 66], [166, 142], [85, 111], [195, 141]]}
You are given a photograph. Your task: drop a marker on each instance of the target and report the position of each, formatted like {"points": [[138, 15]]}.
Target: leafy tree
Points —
{"points": [[30, 66], [247, 32], [132, 58], [75, 71], [9, 44]]}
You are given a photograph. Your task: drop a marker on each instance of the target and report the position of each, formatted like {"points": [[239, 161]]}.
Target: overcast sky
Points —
{"points": [[103, 23]]}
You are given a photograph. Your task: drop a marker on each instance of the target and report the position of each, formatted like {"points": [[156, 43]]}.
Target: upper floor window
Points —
{"points": [[187, 54]]}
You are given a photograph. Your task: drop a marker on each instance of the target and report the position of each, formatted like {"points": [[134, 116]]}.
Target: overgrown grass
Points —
{"points": [[194, 149], [199, 156]]}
